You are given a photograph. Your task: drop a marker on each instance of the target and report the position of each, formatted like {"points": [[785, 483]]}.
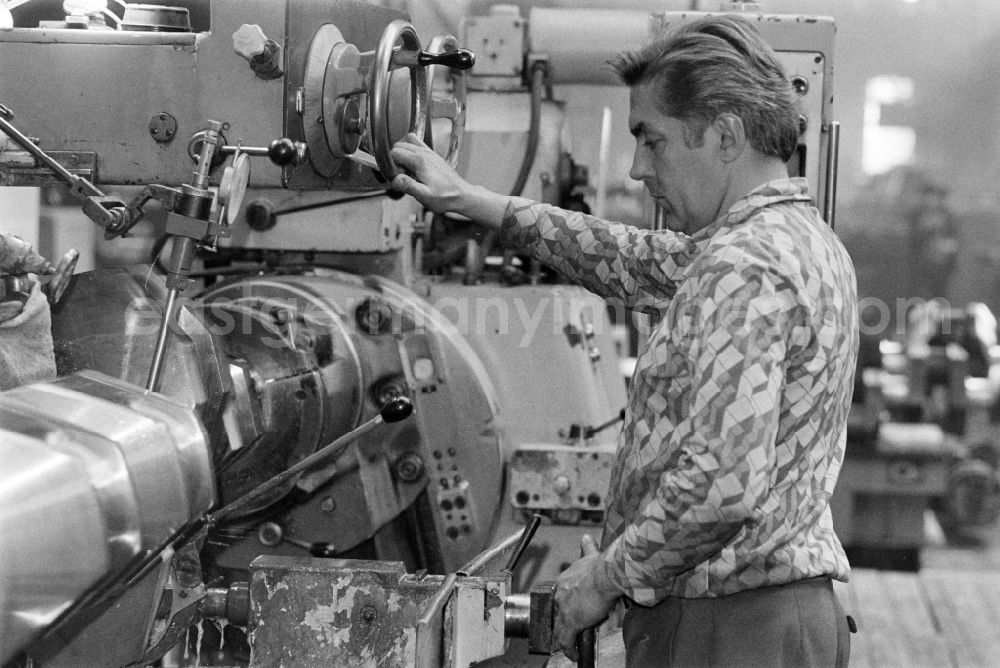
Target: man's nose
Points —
{"points": [[639, 169]]}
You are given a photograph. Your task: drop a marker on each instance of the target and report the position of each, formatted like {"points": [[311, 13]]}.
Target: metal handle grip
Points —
{"points": [[586, 648], [457, 59]]}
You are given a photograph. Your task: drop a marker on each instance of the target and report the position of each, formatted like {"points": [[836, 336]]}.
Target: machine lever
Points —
{"points": [[522, 544], [586, 648], [590, 431], [398, 409], [456, 59], [282, 151], [271, 534]]}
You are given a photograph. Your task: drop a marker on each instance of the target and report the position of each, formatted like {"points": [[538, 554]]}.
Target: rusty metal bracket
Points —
{"points": [[20, 168]]}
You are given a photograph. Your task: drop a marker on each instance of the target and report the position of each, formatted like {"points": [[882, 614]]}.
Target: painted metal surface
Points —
{"points": [[330, 612]]}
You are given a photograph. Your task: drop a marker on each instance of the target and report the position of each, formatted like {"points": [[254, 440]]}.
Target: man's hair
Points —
{"points": [[719, 64]]}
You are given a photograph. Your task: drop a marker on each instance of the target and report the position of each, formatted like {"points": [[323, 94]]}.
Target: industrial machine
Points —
{"points": [[229, 437]]}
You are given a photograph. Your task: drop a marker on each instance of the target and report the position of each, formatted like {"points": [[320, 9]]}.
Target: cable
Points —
{"points": [[538, 76], [538, 73]]}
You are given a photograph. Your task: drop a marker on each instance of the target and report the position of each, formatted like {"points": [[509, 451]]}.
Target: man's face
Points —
{"points": [[688, 183]]}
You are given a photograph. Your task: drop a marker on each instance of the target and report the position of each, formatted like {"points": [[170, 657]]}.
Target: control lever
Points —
{"points": [[281, 152], [522, 543], [586, 648], [271, 534], [590, 431], [398, 409]]}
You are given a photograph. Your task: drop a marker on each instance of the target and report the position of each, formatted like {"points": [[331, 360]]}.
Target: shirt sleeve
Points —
{"points": [[738, 323], [638, 268]]}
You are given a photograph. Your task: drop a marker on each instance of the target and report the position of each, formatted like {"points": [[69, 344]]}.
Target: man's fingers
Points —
{"points": [[409, 186], [402, 183], [566, 633], [567, 642], [10, 310], [412, 138], [404, 157], [588, 545]]}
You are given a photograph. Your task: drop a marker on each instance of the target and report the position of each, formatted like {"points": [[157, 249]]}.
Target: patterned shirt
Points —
{"points": [[735, 428]]}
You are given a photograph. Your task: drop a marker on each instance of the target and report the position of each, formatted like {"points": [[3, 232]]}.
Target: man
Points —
{"points": [[718, 537]]}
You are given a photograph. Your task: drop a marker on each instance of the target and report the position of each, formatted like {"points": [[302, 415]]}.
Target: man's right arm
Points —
{"points": [[638, 267]]}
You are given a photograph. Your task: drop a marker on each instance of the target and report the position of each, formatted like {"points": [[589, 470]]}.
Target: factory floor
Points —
{"points": [[944, 615], [947, 614]]}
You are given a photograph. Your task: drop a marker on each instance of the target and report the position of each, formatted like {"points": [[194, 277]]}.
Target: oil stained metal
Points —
{"points": [[332, 612]]}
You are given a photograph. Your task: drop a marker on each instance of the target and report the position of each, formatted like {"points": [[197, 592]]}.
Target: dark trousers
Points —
{"points": [[797, 625]]}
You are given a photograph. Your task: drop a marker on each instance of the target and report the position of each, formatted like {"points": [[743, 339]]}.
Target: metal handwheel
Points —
{"points": [[387, 59], [451, 107]]}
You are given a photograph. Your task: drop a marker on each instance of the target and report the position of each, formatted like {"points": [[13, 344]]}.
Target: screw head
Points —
{"points": [[368, 615]]}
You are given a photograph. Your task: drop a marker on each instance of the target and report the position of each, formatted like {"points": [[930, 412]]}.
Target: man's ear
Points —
{"points": [[732, 137]]}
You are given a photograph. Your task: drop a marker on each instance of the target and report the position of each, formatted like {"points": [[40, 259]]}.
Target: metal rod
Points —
{"points": [[257, 151], [830, 184], [161, 341], [526, 536], [483, 559], [327, 451], [586, 648], [201, 172], [38, 154], [426, 654]]}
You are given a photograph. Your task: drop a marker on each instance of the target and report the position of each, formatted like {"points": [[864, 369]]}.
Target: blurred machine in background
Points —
{"points": [[224, 440]]}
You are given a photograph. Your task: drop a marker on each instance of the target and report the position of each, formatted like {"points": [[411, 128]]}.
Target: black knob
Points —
{"points": [[457, 59], [260, 215], [282, 151], [397, 409]]}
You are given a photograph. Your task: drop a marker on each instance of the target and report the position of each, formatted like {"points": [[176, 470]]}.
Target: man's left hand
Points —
{"points": [[584, 596]]}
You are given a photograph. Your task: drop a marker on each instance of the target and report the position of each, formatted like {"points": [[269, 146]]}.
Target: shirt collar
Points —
{"points": [[791, 189]]}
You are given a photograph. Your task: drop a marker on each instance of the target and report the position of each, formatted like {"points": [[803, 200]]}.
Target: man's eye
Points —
{"points": [[652, 143]]}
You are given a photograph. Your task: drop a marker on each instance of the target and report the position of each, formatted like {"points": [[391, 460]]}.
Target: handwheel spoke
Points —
{"points": [[445, 107]]}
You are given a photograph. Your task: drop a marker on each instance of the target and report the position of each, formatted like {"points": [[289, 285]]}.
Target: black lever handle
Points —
{"points": [[522, 543], [586, 648], [590, 431], [397, 409], [457, 59], [281, 152]]}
